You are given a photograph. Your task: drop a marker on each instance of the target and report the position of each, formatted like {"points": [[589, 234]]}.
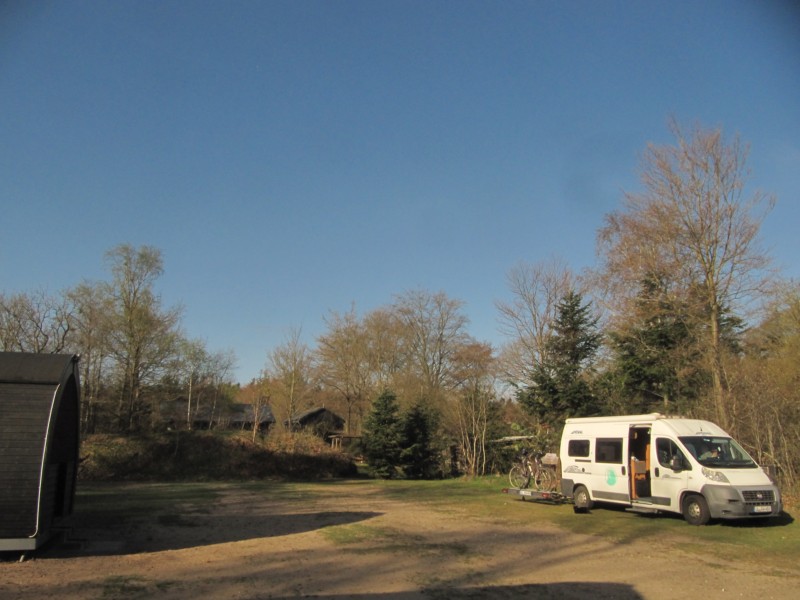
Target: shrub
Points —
{"points": [[191, 456]]}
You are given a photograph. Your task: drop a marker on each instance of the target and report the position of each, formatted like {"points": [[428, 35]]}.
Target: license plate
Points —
{"points": [[762, 509]]}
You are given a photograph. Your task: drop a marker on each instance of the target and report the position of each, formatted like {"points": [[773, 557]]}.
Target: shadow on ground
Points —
{"points": [[781, 520], [174, 531], [568, 590]]}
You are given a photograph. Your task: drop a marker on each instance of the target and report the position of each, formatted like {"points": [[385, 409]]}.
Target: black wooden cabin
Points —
{"points": [[39, 438]]}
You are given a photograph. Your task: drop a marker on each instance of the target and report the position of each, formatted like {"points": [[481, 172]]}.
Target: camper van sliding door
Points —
{"points": [[610, 471]]}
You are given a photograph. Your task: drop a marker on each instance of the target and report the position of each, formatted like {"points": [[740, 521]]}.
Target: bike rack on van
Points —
{"points": [[537, 495], [551, 463]]}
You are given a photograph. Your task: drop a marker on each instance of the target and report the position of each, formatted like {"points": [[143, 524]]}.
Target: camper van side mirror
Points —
{"points": [[676, 464]]}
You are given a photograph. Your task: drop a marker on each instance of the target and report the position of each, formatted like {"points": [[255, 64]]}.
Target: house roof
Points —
{"points": [[21, 367], [316, 414], [244, 413], [236, 413]]}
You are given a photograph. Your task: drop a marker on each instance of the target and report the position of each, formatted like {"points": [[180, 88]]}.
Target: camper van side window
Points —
{"points": [[608, 450], [578, 448]]}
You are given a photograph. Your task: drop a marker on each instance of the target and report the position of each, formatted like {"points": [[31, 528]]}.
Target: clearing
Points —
{"points": [[389, 540]]}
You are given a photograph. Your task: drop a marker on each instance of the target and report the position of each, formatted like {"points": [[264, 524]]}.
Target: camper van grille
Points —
{"points": [[758, 496]]}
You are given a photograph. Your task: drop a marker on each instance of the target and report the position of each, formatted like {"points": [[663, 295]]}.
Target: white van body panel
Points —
{"points": [[653, 462], [757, 477]]}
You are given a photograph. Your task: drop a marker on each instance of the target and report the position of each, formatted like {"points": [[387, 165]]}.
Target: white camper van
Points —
{"points": [[654, 463]]}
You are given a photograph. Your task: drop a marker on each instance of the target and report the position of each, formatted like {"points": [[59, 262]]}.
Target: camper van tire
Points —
{"points": [[581, 500], [695, 510]]}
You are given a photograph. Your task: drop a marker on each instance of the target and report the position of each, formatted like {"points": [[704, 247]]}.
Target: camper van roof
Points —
{"points": [[620, 418], [680, 425]]}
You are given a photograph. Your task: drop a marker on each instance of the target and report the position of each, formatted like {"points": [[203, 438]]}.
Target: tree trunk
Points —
{"points": [[718, 380]]}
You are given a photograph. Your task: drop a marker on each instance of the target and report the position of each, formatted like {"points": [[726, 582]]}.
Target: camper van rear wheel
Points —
{"points": [[695, 510], [581, 499]]}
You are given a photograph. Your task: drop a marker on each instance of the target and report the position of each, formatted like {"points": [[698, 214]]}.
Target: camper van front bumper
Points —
{"points": [[729, 502]]}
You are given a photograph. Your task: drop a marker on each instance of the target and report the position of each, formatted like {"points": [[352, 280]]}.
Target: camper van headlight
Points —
{"points": [[715, 475]]}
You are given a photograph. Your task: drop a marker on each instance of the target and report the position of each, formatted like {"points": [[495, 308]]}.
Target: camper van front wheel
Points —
{"points": [[695, 510], [581, 499]]}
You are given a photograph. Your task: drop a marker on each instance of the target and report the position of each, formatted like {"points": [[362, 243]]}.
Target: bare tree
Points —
{"points": [[221, 365], [693, 223], [93, 312], [142, 335], [343, 364], [257, 394], [527, 319], [35, 322], [194, 366], [433, 328], [470, 403], [289, 368], [769, 427], [384, 350]]}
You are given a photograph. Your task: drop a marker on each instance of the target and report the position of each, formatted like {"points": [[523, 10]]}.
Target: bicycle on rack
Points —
{"points": [[529, 471]]}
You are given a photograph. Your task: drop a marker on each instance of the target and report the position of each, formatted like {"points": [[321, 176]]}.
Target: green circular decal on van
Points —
{"points": [[611, 477]]}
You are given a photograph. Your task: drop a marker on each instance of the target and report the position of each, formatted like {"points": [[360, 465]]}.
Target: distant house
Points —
{"points": [[39, 440], [320, 421], [223, 416], [241, 416]]}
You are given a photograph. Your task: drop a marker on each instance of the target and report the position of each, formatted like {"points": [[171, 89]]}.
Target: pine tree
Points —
{"points": [[560, 387], [655, 352], [383, 435], [419, 455], [657, 356]]}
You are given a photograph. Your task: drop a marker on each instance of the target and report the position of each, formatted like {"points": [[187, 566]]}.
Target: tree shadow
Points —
{"points": [[176, 531], [565, 590], [782, 520]]}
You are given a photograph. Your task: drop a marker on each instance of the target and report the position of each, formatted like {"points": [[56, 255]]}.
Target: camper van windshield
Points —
{"points": [[719, 452]]}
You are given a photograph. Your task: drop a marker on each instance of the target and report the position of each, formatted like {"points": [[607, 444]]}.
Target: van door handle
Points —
{"points": [[657, 473], [623, 470]]}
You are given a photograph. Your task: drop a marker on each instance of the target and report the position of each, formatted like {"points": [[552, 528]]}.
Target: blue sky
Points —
{"points": [[293, 158]]}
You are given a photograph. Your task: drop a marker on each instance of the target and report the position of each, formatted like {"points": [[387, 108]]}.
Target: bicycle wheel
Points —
{"points": [[555, 480], [542, 481], [519, 477]]}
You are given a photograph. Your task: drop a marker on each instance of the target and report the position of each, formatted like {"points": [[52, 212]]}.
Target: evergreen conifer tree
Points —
{"points": [[383, 436], [561, 386], [655, 352], [419, 456]]}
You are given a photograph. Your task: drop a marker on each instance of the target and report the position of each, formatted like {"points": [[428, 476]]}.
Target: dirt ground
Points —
{"points": [[354, 542]]}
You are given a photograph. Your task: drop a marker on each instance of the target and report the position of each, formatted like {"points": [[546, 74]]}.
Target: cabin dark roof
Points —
{"points": [[39, 419], [243, 413], [316, 415], [20, 367]]}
